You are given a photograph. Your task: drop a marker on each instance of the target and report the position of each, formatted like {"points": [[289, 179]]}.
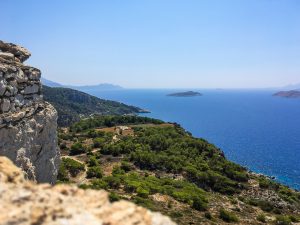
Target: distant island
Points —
{"points": [[185, 94], [288, 94]]}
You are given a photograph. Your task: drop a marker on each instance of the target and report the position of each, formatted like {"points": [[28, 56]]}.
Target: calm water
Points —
{"points": [[253, 128]]}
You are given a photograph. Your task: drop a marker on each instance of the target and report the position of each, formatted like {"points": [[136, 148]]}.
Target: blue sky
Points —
{"points": [[159, 43]]}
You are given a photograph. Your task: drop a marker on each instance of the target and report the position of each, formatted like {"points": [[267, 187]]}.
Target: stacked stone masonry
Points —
{"points": [[27, 123], [20, 85]]}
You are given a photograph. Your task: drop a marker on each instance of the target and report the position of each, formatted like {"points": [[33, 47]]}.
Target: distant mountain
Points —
{"points": [[50, 83], [185, 94], [72, 105], [102, 87], [288, 94]]}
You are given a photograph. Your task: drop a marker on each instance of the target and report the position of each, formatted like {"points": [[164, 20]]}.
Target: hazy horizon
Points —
{"points": [[159, 44], [285, 87]]}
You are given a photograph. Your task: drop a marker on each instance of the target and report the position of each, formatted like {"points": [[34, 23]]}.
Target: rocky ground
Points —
{"points": [[29, 203]]}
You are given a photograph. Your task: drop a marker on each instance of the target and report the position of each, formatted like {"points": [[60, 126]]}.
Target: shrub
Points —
{"points": [[199, 204], [62, 173], [72, 166], [63, 145], [77, 149], [147, 203], [264, 205], [283, 220], [176, 214], [113, 182], [261, 218], [94, 171], [126, 166], [228, 216], [208, 215], [113, 197], [99, 184], [99, 142], [141, 192], [93, 161], [294, 219]]}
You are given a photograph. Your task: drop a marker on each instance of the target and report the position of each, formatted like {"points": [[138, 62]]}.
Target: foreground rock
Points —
{"points": [[27, 123], [29, 203]]}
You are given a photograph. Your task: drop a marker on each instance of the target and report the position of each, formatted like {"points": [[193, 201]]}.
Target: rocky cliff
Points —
{"points": [[27, 123], [29, 203]]}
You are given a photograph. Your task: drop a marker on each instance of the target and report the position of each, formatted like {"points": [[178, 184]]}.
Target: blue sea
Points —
{"points": [[253, 128]]}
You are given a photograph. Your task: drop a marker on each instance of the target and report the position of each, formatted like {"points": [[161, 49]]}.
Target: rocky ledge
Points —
{"points": [[29, 203], [28, 124]]}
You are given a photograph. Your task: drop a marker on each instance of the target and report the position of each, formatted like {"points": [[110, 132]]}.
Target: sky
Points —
{"points": [[159, 43]]}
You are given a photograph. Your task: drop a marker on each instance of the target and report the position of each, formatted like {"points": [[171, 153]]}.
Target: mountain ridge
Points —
{"points": [[101, 86]]}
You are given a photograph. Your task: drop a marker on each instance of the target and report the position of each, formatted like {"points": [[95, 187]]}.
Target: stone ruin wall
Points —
{"points": [[27, 123]]}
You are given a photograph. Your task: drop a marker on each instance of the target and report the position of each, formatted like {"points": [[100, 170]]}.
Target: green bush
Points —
{"points": [[126, 166], [99, 184], [261, 218], [93, 161], [94, 172], [283, 220], [99, 142], [294, 219], [113, 197], [77, 148], [199, 204], [63, 173], [113, 182], [72, 166], [147, 203], [228, 216], [141, 192], [264, 205]]}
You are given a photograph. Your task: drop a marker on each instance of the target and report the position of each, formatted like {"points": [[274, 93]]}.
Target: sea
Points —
{"points": [[251, 127]]}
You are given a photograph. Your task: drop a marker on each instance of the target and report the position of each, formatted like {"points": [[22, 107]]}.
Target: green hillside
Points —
{"points": [[163, 167], [72, 105]]}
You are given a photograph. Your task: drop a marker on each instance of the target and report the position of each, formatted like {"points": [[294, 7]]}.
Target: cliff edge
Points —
{"points": [[29, 203], [28, 124]]}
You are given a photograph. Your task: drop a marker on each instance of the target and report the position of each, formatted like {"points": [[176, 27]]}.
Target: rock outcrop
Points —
{"points": [[27, 123], [29, 203]]}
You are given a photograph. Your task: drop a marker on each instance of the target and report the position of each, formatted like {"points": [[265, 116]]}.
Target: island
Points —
{"points": [[185, 94], [288, 94]]}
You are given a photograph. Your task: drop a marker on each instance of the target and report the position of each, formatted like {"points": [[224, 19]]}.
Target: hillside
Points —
{"points": [[72, 105], [162, 167]]}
